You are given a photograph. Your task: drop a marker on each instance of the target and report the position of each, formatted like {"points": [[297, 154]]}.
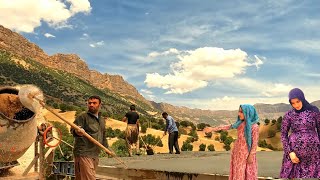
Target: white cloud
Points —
{"points": [[25, 16], [175, 84], [165, 53], [48, 35], [96, 44], [196, 67], [79, 6], [85, 36]]}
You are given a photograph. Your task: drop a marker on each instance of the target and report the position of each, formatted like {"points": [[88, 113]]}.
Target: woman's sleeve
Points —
{"points": [[285, 127], [318, 124], [223, 127], [255, 139]]}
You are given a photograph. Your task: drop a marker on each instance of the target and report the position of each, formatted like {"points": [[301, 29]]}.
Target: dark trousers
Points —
{"points": [[173, 141]]}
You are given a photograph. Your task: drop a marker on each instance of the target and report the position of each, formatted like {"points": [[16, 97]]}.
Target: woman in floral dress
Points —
{"points": [[243, 164], [301, 158]]}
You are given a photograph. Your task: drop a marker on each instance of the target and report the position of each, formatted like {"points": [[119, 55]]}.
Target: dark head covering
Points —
{"points": [[297, 93]]}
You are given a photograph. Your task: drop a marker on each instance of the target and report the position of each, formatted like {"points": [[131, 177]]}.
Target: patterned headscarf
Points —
{"points": [[297, 93], [251, 117]]}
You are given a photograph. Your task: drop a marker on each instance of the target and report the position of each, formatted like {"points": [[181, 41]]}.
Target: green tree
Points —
{"points": [[208, 135], [211, 147], [194, 134], [202, 147], [67, 137], [201, 126], [227, 147], [63, 107], [223, 135], [110, 133], [262, 143], [120, 147], [186, 146], [144, 128], [266, 121]]}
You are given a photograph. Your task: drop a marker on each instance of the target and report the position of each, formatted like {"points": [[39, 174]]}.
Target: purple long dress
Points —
{"points": [[304, 141]]}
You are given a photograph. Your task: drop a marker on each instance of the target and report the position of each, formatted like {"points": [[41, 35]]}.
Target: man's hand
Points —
{"points": [[294, 158], [80, 132], [250, 159]]}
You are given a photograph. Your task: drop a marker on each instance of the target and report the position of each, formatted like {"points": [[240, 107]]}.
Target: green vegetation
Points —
{"points": [[211, 147], [66, 137], [202, 147], [187, 146], [201, 126], [64, 90]]}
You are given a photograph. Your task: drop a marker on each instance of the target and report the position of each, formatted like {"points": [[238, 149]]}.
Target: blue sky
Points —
{"points": [[199, 54]]}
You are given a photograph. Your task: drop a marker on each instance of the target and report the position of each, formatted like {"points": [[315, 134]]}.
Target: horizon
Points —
{"points": [[189, 56]]}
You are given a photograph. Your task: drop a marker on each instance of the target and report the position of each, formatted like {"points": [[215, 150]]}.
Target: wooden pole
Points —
{"points": [[41, 159]]}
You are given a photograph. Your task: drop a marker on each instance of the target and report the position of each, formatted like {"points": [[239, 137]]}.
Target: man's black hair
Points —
{"points": [[164, 113], [95, 97], [132, 107]]}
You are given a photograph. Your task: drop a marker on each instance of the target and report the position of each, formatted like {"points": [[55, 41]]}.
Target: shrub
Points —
{"points": [[144, 128], [186, 146], [202, 147], [120, 147], [211, 147], [208, 135]]}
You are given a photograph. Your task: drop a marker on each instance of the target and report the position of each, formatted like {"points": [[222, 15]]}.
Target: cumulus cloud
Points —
{"points": [[25, 16], [195, 68], [48, 35], [96, 44]]}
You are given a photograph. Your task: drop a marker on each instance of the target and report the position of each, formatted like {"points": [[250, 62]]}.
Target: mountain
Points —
{"points": [[15, 43]]}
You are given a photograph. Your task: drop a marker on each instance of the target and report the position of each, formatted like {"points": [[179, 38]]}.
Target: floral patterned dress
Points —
{"points": [[239, 168], [304, 141]]}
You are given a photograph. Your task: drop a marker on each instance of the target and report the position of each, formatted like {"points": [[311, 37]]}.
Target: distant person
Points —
{"points": [[86, 153], [243, 165], [172, 129], [301, 158], [132, 130]]}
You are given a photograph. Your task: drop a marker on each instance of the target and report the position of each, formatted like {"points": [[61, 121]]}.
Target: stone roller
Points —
{"points": [[33, 99]]}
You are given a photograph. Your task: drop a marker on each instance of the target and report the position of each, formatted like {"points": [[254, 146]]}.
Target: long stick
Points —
{"points": [[157, 142], [77, 128]]}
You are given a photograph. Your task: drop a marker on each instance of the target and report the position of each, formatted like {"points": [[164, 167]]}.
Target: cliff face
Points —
{"points": [[71, 63]]}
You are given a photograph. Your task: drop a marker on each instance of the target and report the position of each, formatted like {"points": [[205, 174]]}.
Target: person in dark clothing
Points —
{"points": [[86, 153], [172, 129], [132, 130]]}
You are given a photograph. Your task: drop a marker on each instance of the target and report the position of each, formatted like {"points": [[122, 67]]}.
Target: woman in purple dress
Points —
{"points": [[301, 148]]}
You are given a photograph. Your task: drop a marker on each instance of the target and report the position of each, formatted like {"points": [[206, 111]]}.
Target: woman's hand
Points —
{"points": [[294, 158], [250, 159], [207, 130]]}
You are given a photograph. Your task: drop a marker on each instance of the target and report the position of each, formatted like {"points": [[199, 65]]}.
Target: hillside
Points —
{"points": [[61, 87], [115, 124]]}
